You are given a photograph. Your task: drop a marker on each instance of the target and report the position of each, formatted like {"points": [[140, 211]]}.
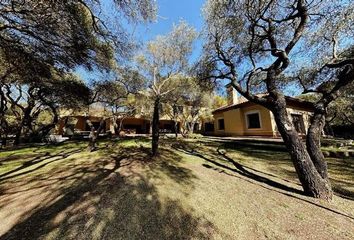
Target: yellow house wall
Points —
{"points": [[216, 127], [265, 119], [236, 123], [305, 114], [233, 122], [293, 110]]}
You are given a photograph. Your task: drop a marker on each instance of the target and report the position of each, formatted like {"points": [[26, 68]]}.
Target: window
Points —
{"points": [[253, 120], [209, 127], [221, 124]]}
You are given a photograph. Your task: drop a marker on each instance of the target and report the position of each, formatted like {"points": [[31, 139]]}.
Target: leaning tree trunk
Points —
{"points": [[190, 128], [121, 126], [313, 143], [311, 180], [155, 127]]}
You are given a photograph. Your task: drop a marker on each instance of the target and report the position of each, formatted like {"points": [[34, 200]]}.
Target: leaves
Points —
{"points": [[270, 45]]}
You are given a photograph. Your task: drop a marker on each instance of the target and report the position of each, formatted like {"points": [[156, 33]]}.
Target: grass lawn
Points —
{"points": [[195, 189]]}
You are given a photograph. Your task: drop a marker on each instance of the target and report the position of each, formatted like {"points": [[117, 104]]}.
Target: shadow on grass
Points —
{"points": [[342, 192], [276, 159], [110, 199], [250, 177], [240, 169], [39, 159]]}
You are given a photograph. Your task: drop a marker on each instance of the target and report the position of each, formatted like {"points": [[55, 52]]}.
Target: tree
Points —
{"points": [[263, 46], [340, 112], [32, 110], [188, 103], [69, 33], [219, 101], [165, 61], [38, 38], [119, 93]]}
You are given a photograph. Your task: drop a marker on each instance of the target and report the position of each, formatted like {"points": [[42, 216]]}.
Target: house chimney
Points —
{"points": [[232, 95]]}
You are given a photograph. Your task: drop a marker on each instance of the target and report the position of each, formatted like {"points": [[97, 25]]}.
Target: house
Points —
{"points": [[141, 125], [78, 123], [139, 122], [244, 118]]}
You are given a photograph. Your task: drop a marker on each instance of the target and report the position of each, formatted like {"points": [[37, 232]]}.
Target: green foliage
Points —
{"points": [[41, 42], [119, 92], [67, 33], [167, 56], [219, 101], [248, 36]]}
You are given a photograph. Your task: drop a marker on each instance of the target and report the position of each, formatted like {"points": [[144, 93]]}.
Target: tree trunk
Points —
{"points": [[120, 128], [3, 141], [24, 126], [155, 127], [18, 135], [94, 134], [3, 123], [192, 127], [115, 125], [40, 134], [176, 128], [185, 129], [311, 180], [313, 143]]}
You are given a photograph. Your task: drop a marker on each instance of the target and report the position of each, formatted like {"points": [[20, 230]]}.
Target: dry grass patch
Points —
{"points": [[193, 190]]}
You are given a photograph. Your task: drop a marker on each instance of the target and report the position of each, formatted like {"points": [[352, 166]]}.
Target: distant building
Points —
{"points": [[139, 123], [244, 118]]}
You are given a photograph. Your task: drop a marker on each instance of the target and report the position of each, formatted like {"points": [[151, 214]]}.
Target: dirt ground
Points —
{"points": [[193, 190]]}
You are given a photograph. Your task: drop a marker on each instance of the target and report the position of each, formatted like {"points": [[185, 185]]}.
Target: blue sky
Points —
{"points": [[169, 12], [172, 11]]}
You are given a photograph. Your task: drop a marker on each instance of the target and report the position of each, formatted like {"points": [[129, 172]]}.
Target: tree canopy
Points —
{"points": [[246, 40], [165, 62], [42, 42], [67, 33], [263, 46]]}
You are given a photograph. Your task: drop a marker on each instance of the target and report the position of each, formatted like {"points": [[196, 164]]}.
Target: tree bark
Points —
{"points": [[115, 125], [26, 122], [155, 127], [313, 183], [18, 135], [313, 143], [191, 130], [121, 127], [176, 128], [94, 134]]}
